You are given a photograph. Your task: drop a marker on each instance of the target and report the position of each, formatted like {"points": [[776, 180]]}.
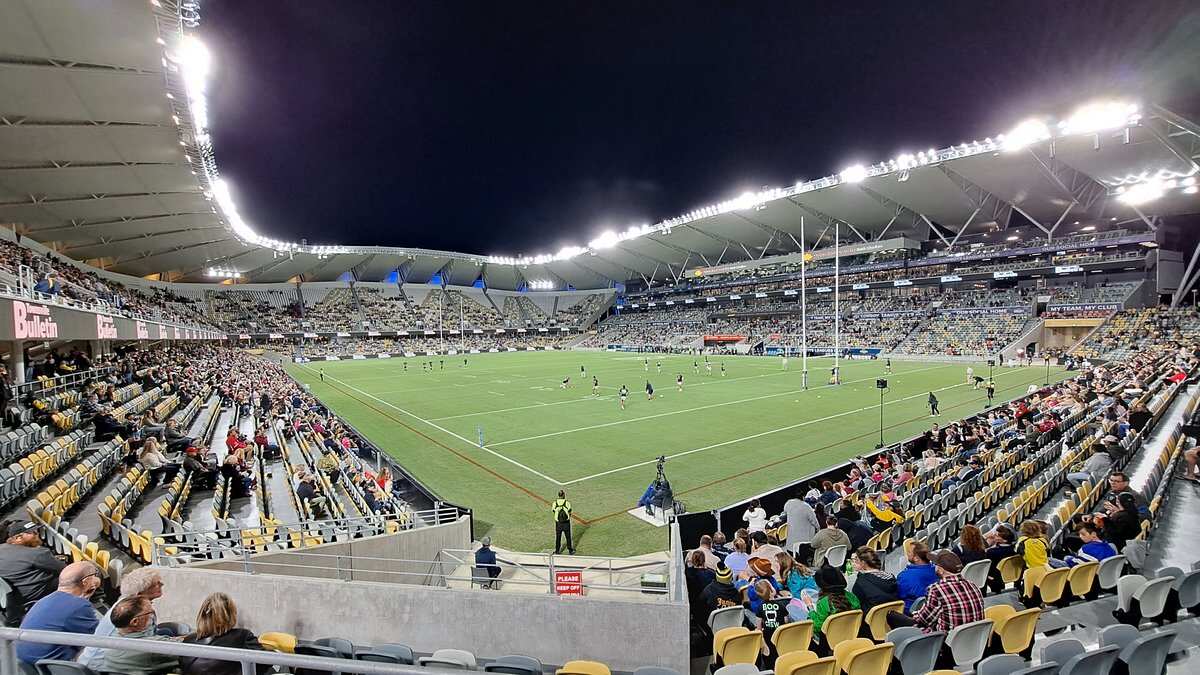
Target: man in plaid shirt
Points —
{"points": [[950, 602]]}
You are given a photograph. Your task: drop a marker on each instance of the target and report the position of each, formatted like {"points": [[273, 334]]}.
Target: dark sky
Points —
{"points": [[519, 127]]}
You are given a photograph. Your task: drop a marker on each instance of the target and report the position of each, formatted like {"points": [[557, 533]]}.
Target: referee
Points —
{"points": [[561, 508]]}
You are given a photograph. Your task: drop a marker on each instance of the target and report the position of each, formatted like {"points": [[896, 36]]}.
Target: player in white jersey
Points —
{"points": [[970, 374]]}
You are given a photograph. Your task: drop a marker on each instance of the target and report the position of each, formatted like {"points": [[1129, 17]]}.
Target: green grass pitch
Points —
{"points": [[727, 437]]}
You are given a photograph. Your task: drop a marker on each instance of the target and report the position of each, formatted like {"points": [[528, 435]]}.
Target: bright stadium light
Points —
{"points": [[1026, 133], [607, 239], [854, 174], [1142, 192], [1100, 116]]}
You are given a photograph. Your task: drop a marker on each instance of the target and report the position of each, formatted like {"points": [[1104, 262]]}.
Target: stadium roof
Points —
{"points": [[104, 156]]}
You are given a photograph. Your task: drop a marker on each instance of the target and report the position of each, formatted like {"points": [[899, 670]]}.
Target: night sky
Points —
{"points": [[519, 127]]}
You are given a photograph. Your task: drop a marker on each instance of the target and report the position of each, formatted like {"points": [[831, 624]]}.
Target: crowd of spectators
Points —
{"points": [[778, 581]]}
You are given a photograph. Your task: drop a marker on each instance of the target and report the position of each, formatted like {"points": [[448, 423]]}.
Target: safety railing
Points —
{"points": [[247, 658], [58, 382], [183, 545]]}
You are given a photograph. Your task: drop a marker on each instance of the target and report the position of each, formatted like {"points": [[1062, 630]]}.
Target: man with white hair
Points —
{"points": [[144, 582]]}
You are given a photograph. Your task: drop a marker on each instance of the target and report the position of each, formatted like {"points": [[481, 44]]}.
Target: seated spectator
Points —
{"points": [[970, 546], [858, 532], [204, 476], [720, 593], [738, 560], [175, 439], [917, 576], [1096, 466], [827, 538], [1094, 547], [832, 599], [705, 548], [872, 586], [795, 577], [66, 610], [720, 548], [883, 516], [770, 615], [145, 583], [764, 550], [216, 625], [950, 602], [1120, 522], [1118, 483], [331, 465], [485, 557], [755, 517], [308, 493], [28, 567], [698, 577], [1000, 546], [133, 617], [1032, 545]]}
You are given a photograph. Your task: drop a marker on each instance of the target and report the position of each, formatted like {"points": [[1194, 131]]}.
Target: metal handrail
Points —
{"points": [[62, 381], [248, 658]]}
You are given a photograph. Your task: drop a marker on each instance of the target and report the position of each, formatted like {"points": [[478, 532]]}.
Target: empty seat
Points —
{"points": [[916, 651], [876, 620], [734, 645], [977, 572], [1147, 654], [571, 667], [1043, 668], [516, 664], [870, 660], [56, 667], [728, 617], [835, 556], [1000, 664], [842, 626], [969, 642], [1012, 630], [1062, 650], [1110, 572], [747, 669], [799, 663], [1147, 601], [791, 637], [342, 645], [1095, 662]]}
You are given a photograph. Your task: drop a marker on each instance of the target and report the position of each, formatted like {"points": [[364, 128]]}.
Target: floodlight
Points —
{"points": [[854, 174], [1189, 190], [1026, 133], [1011, 238], [606, 240], [1188, 182], [1100, 116], [1143, 192], [1089, 228]]}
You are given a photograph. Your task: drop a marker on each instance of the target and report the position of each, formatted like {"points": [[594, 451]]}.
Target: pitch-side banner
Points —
{"points": [[24, 320]]}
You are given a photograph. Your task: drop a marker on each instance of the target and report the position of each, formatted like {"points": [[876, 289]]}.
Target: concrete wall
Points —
{"points": [[555, 629], [321, 562]]}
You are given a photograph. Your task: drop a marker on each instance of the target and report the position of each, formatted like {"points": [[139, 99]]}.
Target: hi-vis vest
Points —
{"points": [[562, 510]]}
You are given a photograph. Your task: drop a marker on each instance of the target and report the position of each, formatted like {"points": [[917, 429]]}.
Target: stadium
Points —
{"points": [[929, 413]]}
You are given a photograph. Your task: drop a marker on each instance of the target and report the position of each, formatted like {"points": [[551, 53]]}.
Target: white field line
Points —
{"points": [[696, 409], [443, 430], [765, 433], [592, 398]]}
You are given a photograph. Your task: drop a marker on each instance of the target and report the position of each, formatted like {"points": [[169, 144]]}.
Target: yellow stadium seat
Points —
{"points": [[278, 642], [1012, 629], [873, 660], [848, 648], [841, 627], [805, 662], [791, 637], [877, 618], [1082, 578], [1010, 568], [583, 668]]}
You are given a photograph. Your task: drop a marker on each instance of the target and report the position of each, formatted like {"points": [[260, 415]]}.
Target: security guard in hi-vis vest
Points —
{"points": [[561, 510]]}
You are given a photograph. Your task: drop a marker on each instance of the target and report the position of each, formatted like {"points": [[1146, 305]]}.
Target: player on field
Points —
{"points": [[406, 366], [566, 382], [623, 394], [659, 364], [679, 381], [978, 381], [991, 391], [708, 367], [464, 363], [722, 369], [595, 386], [646, 364], [971, 375], [933, 405], [322, 375], [785, 360], [649, 391], [442, 363], [695, 367], [887, 367], [582, 371]]}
